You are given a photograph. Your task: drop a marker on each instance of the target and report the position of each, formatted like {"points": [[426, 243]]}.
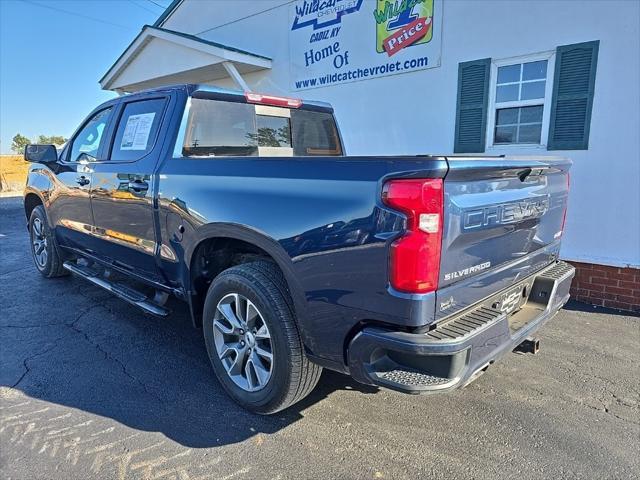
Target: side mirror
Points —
{"points": [[40, 154]]}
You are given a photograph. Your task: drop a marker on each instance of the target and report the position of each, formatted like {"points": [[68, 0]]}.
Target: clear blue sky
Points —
{"points": [[51, 61]]}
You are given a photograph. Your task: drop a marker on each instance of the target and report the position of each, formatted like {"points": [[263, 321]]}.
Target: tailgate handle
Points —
{"points": [[524, 174]]}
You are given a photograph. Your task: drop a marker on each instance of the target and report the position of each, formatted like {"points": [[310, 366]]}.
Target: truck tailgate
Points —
{"points": [[503, 219]]}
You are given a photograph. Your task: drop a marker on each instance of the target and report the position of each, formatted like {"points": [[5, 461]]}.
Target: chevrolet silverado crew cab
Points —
{"points": [[413, 273]]}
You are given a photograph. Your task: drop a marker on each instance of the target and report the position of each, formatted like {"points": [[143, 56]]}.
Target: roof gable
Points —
{"points": [[159, 52]]}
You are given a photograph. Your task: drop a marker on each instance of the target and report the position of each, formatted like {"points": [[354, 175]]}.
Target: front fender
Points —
{"points": [[39, 184]]}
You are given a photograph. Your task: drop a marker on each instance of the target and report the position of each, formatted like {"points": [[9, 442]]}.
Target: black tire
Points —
{"points": [[292, 375], [44, 249]]}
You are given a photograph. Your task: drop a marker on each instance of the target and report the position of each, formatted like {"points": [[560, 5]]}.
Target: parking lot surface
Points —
{"points": [[90, 388]]}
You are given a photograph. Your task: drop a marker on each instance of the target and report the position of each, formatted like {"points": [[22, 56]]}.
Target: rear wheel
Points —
{"points": [[44, 248], [253, 341]]}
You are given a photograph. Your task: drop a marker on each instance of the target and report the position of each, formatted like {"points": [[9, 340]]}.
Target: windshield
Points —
{"points": [[219, 128]]}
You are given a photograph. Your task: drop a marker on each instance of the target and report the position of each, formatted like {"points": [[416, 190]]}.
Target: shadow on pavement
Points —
{"points": [[181, 400], [66, 342]]}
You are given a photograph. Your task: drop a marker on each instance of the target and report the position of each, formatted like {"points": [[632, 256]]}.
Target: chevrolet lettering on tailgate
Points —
{"points": [[505, 213]]}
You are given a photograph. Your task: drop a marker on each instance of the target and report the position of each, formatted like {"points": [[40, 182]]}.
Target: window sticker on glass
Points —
{"points": [[136, 131]]}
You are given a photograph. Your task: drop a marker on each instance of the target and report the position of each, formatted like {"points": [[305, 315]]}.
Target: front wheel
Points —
{"points": [[44, 248], [253, 340]]}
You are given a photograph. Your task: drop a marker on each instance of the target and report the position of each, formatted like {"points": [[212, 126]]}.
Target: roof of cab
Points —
{"points": [[218, 93]]}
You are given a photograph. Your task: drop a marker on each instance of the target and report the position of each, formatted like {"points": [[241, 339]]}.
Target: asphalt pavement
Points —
{"points": [[90, 388]]}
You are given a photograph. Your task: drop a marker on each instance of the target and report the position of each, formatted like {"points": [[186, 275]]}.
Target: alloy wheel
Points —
{"points": [[243, 342], [39, 242]]}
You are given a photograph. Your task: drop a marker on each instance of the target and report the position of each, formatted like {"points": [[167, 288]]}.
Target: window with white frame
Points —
{"points": [[520, 99]]}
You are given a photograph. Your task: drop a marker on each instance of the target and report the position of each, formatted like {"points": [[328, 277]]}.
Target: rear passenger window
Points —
{"points": [[137, 130]]}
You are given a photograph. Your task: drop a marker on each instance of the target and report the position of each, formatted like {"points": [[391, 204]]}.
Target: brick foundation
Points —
{"points": [[605, 286]]}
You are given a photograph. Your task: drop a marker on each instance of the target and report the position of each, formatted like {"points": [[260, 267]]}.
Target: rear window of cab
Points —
{"points": [[220, 128]]}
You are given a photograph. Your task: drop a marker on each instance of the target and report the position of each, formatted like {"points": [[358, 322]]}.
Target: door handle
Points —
{"points": [[138, 185], [82, 181]]}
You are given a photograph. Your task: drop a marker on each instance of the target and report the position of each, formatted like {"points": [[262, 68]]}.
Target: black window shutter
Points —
{"points": [[572, 98], [471, 112]]}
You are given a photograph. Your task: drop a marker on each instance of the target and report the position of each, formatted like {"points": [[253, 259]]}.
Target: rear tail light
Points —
{"points": [[273, 100], [414, 264]]}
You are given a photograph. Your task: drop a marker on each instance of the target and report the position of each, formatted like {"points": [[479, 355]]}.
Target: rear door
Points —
{"points": [[122, 193], [503, 219]]}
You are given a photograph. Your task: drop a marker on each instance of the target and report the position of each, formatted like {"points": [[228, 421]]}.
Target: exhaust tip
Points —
{"points": [[529, 345]]}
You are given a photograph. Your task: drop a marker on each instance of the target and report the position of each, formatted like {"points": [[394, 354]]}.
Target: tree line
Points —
{"points": [[20, 141]]}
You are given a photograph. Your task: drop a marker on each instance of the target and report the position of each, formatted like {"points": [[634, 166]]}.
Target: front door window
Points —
{"points": [[86, 143]]}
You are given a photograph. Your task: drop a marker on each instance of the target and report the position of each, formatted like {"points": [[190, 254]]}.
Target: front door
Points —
{"points": [[122, 189], [69, 209]]}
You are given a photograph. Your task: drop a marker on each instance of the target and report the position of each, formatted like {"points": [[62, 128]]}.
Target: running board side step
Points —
{"points": [[121, 291]]}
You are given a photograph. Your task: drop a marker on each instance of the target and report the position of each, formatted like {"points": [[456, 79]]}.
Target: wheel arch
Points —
{"points": [[31, 201], [247, 244]]}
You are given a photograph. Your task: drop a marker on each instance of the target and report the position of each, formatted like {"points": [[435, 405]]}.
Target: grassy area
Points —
{"points": [[13, 173]]}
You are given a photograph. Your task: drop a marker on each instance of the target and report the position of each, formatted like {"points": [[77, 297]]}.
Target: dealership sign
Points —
{"points": [[339, 41]]}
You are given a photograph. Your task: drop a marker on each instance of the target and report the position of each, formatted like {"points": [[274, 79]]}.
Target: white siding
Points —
{"points": [[414, 112]]}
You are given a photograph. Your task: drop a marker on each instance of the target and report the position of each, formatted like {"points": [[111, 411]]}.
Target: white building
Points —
{"points": [[438, 76]]}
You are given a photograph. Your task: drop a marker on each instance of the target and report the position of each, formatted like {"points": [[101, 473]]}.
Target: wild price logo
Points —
{"points": [[402, 23]]}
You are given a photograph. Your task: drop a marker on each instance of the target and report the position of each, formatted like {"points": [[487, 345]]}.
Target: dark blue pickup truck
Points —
{"points": [[413, 273]]}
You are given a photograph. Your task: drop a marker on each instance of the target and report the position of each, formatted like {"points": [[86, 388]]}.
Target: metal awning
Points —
{"points": [[158, 56]]}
